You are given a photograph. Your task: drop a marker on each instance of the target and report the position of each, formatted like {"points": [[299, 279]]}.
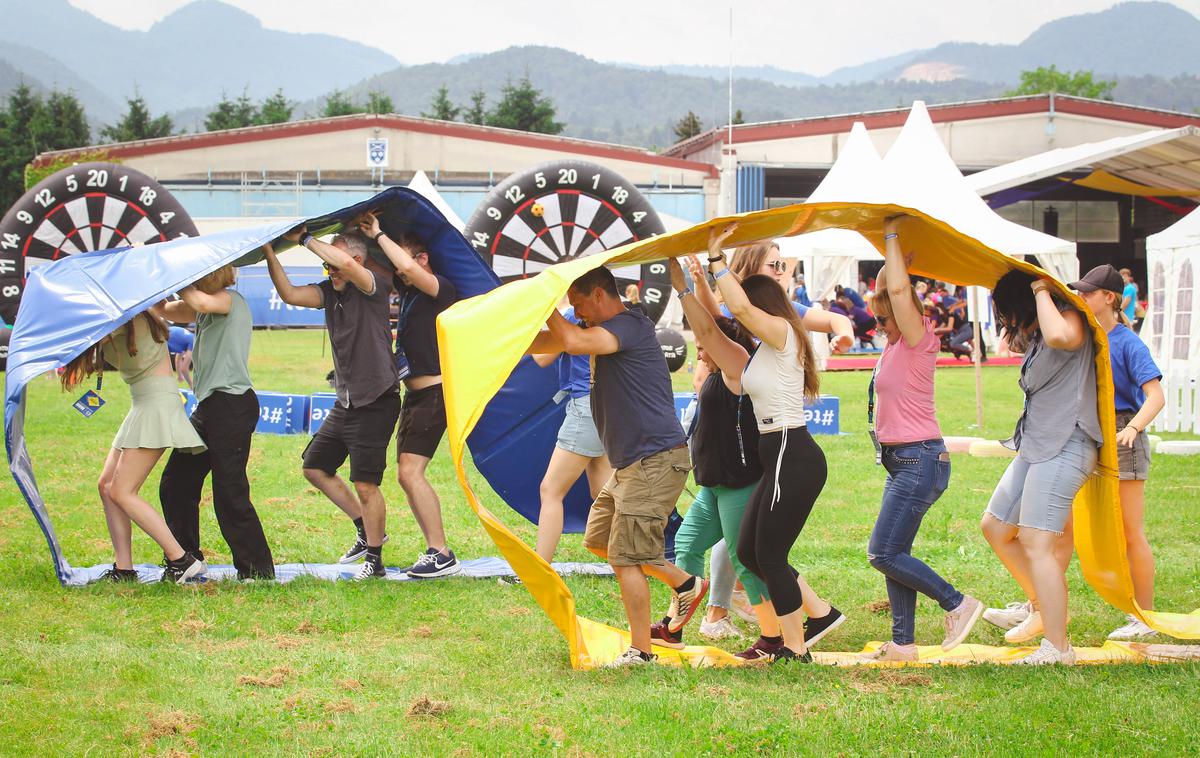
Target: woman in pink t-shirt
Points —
{"points": [[911, 449]]}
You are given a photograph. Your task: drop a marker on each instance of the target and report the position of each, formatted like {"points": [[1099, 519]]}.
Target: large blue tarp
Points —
{"points": [[72, 303], [266, 309]]}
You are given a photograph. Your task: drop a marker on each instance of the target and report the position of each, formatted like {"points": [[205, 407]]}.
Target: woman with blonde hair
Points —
{"points": [[155, 422], [225, 417]]}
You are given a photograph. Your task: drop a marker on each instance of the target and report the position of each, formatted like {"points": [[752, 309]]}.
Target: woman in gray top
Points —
{"points": [[1056, 440]]}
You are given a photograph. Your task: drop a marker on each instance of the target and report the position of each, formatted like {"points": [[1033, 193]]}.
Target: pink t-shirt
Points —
{"points": [[904, 410]]}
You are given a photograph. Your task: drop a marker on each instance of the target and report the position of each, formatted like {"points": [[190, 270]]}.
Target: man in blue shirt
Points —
{"points": [[1129, 296], [634, 410]]}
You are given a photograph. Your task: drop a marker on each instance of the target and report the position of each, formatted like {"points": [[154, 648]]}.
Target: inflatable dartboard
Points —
{"points": [[91, 206], [563, 210]]}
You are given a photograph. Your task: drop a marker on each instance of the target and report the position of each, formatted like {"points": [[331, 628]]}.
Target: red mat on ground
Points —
{"points": [[867, 361]]}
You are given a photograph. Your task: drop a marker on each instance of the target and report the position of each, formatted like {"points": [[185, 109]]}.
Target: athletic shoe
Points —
{"points": [[761, 651], [1008, 616], [631, 657], [115, 574], [661, 634], [741, 606], [358, 550], [183, 568], [433, 564], [786, 655], [721, 629], [890, 651], [1136, 629], [688, 601], [371, 569], [1047, 654], [815, 629], [960, 621]]}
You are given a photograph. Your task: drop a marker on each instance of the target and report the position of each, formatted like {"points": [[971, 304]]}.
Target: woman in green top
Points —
{"points": [[155, 422]]}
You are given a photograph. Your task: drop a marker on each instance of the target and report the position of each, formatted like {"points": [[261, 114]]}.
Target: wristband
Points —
{"points": [[684, 293], [720, 274], [718, 259], [890, 236], [304, 239], [377, 236]]}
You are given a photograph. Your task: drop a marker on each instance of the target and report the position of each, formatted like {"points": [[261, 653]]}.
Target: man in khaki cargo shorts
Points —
{"points": [[634, 410]]}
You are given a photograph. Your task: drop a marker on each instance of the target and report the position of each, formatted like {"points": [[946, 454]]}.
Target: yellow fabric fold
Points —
{"points": [[1106, 182], [483, 338]]}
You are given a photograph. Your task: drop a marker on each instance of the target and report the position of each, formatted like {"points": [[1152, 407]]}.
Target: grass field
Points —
{"points": [[473, 667]]}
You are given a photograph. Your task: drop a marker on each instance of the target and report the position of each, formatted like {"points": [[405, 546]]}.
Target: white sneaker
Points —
{"points": [[721, 629], [1008, 616], [1028, 629], [741, 606], [1136, 629], [1048, 654], [631, 657]]}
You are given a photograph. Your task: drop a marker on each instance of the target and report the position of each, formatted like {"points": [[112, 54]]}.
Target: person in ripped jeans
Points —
{"points": [[634, 409]]}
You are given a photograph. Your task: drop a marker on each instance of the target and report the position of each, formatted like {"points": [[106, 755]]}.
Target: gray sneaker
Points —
{"points": [[1008, 616], [960, 621], [631, 657], [1047, 654]]}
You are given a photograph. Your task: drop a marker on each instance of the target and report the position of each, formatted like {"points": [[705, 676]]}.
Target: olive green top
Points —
{"points": [[220, 359], [150, 354]]}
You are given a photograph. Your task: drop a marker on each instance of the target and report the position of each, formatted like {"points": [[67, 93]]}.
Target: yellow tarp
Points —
{"points": [[1106, 182], [483, 338]]}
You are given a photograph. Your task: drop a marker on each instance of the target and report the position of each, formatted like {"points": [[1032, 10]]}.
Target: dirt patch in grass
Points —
{"points": [[809, 709], [279, 676], [190, 626], [424, 707], [422, 631], [885, 680], [345, 705], [307, 627], [350, 684], [880, 607], [168, 724], [518, 610], [287, 642]]}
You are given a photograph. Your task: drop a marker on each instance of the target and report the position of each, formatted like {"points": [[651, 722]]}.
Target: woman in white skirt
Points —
{"points": [[156, 422]]}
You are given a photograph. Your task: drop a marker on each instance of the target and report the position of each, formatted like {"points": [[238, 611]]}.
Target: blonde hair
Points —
{"points": [[632, 294], [748, 260], [215, 281], [881, 302]]}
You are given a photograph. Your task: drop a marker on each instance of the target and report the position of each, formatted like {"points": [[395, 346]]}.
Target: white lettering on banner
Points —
{"points": [[276, 303], [319, 414], [272, 415]]}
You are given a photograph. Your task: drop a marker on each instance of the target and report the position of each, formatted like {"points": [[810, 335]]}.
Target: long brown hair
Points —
{"points": [[91, 361], [748, 260], [766, 294]]}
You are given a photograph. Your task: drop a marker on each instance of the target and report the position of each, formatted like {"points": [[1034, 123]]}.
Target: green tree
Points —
{"points": [[738, 118], [441, 108], [232, 114], [30, 125], [276, 109], [379, 102], [1049, 79], [137, 123], [338, 103], [525, 108], [476, 112], [688, 126]]}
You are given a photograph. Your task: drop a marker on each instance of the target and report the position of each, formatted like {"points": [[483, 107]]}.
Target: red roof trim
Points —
{"points": [[939, 114], [360, 121]]}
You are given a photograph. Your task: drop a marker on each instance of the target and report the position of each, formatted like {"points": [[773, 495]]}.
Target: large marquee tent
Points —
{"points": [[1172, 325]]}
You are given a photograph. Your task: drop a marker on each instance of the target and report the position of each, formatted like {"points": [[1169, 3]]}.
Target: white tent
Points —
{"points": [[422, 186], [1172, 325]]}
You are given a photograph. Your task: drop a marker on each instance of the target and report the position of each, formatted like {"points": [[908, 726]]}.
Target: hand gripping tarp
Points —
{"points": [[76, 301], [507, 319]]}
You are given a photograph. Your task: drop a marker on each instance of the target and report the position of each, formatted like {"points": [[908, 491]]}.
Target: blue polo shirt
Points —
{"points": [[1132, 366]]}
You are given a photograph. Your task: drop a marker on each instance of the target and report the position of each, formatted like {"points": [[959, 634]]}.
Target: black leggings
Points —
{"points": [[770, 526]]}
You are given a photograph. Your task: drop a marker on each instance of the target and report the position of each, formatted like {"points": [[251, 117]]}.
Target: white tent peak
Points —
{"points": [[856, 173], [422, 186]]}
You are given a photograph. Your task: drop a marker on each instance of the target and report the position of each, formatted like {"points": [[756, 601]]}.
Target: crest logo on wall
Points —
{"points": [[377, 153]]}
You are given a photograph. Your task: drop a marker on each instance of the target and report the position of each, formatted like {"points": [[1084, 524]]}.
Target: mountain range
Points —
{"points": [[187, 61]]}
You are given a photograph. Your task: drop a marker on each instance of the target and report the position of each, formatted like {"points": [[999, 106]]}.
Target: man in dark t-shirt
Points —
{"points": [[634, 410], [423, 295], [355, 300]]}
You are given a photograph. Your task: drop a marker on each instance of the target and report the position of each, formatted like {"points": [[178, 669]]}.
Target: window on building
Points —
{"points": [[1158, 307], [1183, 313], [1072, 220]]}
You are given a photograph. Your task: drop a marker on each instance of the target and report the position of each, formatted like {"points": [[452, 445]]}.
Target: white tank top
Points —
{"points": [[774, 380]]}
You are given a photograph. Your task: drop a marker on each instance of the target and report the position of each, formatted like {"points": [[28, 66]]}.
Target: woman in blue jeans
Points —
{"points": [[910, 447]]}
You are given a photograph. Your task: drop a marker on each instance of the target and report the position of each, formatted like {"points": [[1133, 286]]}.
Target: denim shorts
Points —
{"points": [[578, 431], [1133, 463], [1039, 495]]}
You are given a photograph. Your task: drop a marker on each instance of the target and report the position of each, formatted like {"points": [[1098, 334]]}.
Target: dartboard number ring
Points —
{"points": [[563, 210], [89, 206]]}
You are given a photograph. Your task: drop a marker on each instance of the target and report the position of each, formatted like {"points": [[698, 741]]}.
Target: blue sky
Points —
{"points": [[793, 34]]}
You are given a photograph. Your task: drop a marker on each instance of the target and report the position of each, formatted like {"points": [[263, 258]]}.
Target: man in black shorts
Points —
{"points": [[423, 295], [360, 425]]}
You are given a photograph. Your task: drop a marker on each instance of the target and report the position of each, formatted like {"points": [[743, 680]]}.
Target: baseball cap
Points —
{"points": [[1103, 277]]}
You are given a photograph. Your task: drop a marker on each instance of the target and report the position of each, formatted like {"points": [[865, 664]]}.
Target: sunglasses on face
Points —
{"points": [[881, 320], [779, 266], [329, 269]]}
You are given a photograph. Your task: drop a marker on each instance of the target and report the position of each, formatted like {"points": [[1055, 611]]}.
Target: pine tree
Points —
{"points": [[523, 107], [688, 126], [137, 124], [338, 103], [476, 112], [276, 109], [441, 108], [231, 114], [28, 126], [379, 102], [738, 118]]}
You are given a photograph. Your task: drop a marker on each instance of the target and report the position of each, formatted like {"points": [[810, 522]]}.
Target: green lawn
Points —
{"points": [[474, 668]]}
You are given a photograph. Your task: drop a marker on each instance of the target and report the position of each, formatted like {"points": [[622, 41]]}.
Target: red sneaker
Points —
{"points": [[688, 602], [761, 651], [661, 634]]}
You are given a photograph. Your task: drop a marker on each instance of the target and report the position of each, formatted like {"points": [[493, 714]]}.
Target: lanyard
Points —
{"points": [[871, 415]]}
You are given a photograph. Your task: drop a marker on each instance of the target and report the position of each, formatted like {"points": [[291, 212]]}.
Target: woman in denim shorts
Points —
{"points": [[910, 448], [1056, 440], [577, 450]]}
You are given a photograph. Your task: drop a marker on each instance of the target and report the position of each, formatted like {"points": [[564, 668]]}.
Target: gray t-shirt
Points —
{"points": [[632, 401], [363, 363], [221, 355], [1060, 394]]}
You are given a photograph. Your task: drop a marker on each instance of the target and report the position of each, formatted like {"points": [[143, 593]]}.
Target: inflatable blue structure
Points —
{"points": [[511, 446]]}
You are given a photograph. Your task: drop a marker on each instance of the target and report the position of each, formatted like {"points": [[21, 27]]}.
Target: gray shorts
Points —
{"points": [[578, 431], [1039, 495], [1133, 462]]}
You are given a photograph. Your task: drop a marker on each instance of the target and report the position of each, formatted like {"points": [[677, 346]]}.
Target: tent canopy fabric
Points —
{"points": [[1167, 158], [1172, 325], [1106, 182]]}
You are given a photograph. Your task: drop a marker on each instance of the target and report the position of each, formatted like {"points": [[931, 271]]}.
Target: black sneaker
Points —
{"points": [[115, 574], [183, 568], [358, 550], [372, 568], [784, 654], [433, 564], [815, 629]]}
